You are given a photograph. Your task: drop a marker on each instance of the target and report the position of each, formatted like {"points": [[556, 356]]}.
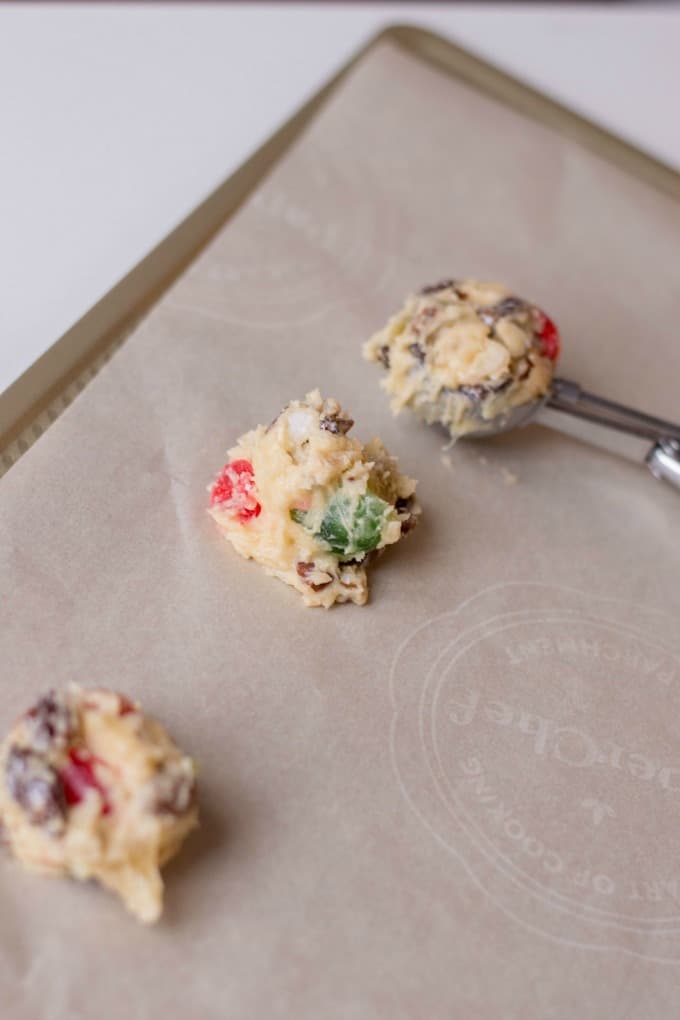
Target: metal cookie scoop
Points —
{"points": [[613, 427], [479, 360]]}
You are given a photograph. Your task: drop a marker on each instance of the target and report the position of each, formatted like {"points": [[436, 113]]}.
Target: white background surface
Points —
{"points": [[116, 121]]}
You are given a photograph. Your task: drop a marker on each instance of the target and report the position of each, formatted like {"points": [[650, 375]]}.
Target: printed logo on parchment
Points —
{"points": [[536, 734], [312, 231]]}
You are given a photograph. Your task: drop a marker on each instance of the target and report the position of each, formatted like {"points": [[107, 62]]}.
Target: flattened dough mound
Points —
{"points": [[91, 788], [463, 353], [311, 504]]}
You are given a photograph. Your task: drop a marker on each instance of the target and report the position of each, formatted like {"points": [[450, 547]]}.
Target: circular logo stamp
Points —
{"points": [[536, 734]]}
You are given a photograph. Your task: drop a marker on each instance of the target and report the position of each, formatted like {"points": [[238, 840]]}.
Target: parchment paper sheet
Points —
{"points": [[461, 800]]}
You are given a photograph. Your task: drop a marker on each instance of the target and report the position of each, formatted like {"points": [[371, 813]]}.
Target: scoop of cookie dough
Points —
{"points": [[311, 504], [90, 787], [465, 354]]}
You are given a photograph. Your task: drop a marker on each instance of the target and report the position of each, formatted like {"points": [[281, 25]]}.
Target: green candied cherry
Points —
{"points": [[350, 526]]}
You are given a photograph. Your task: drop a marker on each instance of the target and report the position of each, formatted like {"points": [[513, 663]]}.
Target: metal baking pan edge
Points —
{"points": [[31, 404]]}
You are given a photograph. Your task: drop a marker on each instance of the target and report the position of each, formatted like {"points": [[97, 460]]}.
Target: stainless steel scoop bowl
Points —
{"points": [[614, 427], [515, 418]]}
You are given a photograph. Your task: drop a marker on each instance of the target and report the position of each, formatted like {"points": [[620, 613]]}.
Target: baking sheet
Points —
{"points": [[462, 798]]}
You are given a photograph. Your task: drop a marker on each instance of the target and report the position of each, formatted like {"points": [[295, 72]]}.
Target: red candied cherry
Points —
{"points": [[548, 334], [125, 706], [235, 490], [78, 776]]}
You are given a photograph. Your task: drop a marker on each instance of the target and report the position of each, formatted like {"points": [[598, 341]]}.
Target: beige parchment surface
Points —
{"points": [[461, 800]]}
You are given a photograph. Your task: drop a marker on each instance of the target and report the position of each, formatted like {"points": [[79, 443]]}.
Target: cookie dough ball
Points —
{"points": [[311, 504], [90, 787], [464, 354]]}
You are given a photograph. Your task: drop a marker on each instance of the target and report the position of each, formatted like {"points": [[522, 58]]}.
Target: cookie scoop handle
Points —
{"points": [[663, 460], [619, 429]]}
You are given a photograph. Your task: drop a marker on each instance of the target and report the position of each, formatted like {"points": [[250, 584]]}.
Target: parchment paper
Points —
{"points": [[461, 800]]}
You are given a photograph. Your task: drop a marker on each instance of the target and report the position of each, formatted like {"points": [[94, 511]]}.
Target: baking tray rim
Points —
{"points": [[30, 404]]}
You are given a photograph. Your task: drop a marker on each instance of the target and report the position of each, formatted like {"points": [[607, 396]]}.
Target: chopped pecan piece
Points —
{"points": [[50, 723], [174, 791], [384, 356], [482, 390], [305, 569], [409, 524], [432, 288], [338, 426], [404, 506], [36, 788], [507, 306]]}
